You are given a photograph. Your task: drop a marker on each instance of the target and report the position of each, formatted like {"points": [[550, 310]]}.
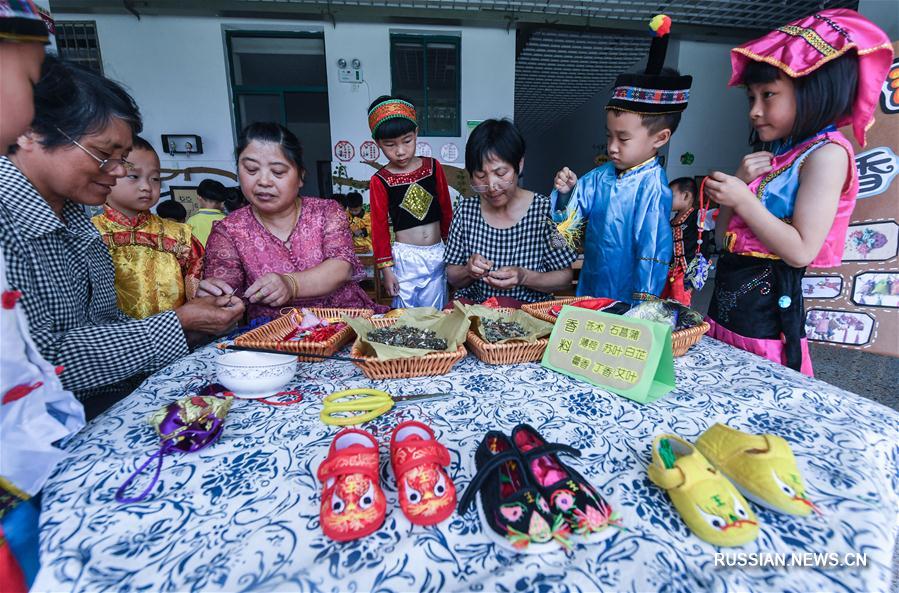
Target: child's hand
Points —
{"points": [[565, 180], [390, 283], [727, 190], [213, 287], [478, 266], [753, 165]]}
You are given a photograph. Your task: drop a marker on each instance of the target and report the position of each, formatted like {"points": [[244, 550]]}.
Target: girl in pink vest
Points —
{"points": [[789, 208]]}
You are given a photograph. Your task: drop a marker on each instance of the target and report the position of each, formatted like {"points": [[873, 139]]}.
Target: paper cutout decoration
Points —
{"points": [[344, 151], [876, 289], [822, 287]]}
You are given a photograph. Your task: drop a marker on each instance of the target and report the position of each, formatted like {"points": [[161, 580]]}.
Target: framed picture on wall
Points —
{"points": [[186, 195]]}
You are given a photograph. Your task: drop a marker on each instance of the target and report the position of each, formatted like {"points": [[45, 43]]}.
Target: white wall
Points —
{"points": [[177, 71], [883, 13], [488, 84], [715, 126]]}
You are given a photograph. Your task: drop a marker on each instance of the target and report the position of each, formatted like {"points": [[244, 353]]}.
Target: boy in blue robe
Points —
{"points": [[625, 204]]}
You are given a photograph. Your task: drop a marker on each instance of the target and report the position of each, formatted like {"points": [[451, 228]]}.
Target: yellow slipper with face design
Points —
{"points": [[762, 467], [710, 505]]}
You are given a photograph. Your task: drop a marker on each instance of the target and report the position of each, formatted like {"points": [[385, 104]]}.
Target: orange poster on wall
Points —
{"points": [[857, 304]]}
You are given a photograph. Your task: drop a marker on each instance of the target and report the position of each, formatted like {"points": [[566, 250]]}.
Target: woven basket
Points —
{"points": [[270, 336], [541, 310], [681, 340], [433, 363], [506, 352]]}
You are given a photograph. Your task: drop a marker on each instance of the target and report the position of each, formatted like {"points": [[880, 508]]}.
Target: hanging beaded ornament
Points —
{"points": [[697, 271]]}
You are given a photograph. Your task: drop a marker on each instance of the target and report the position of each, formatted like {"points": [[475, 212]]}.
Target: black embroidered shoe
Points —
{"points": [[514, 513], [587, 513]]}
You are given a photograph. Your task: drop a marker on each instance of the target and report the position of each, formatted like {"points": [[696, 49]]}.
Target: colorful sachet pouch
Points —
{"points": [[697, 272], [186, 425]]}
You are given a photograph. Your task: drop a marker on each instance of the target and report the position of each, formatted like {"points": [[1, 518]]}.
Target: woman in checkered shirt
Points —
{"points": [[500, 243], [72, 154]]}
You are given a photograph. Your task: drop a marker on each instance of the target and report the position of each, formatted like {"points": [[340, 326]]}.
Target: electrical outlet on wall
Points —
{"points": [[349, 74]]}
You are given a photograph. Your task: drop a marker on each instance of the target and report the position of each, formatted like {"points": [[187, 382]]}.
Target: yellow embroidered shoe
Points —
{"points": [[710, 505], [761, 466]]}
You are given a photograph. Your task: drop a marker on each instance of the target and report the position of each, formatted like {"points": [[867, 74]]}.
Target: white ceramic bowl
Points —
{"points": [[254, 375]]}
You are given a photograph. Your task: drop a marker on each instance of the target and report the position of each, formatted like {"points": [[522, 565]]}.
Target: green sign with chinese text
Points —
{"points": [[630, 357]]}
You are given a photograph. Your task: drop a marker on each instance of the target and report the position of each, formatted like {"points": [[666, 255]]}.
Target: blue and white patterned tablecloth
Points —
{"points": [[242, 515]]}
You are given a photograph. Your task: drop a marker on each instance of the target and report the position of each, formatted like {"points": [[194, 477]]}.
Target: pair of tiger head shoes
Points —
{"points": [[353, 504], [710, 482]]}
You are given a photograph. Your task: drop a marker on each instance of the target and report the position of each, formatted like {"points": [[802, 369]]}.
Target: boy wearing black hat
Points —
{"points": [[626, 203]]}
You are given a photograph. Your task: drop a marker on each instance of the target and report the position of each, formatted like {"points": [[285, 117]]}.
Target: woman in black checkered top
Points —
{"points": [[500, 244]]}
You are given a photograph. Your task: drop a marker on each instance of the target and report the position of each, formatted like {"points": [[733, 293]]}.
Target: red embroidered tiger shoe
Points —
{"points": [[427, 495], [353, 504]]}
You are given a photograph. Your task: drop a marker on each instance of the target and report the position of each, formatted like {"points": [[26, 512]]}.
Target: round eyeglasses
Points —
{"points": [[106, 165], [499, 185]]}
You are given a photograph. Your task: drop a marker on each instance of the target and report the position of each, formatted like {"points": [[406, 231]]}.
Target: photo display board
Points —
{"points": [[856, 305]]}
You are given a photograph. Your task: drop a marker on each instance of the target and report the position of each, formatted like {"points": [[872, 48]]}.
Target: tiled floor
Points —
{"points": [[871, 375]]}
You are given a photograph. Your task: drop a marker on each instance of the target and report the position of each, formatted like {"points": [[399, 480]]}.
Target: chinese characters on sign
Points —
{"points": [[630, 357], [369, 151], [889, 96], [876, 169], [344, 151], [609, 353]]}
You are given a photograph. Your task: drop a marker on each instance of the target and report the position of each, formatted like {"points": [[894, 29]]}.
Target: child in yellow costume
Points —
{"points": [[158, 263], [360, 223]]}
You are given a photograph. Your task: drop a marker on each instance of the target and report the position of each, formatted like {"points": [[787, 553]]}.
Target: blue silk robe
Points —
{"points": [[627, 243]]}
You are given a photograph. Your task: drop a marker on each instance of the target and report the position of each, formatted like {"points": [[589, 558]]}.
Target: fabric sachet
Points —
{"points": [[186, 425]]}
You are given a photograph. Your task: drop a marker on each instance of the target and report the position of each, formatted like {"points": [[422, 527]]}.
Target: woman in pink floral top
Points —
{"points": [[281, 250]]}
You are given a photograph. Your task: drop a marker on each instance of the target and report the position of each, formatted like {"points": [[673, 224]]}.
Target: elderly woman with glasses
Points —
{"points": [[72, 154], [501, 245]]}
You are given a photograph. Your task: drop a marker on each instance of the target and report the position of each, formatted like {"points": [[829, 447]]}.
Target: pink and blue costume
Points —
{"points": [[758, 304]]}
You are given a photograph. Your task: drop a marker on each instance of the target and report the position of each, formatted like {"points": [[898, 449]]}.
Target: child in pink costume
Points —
{"points": [[790, 208]]}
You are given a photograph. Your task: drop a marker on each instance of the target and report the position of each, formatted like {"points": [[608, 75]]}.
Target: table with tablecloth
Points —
{"points": [[242, 514]]}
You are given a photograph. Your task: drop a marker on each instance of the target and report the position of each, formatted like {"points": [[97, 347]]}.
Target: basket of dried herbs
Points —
{"points": [[420, 343], [317, 330], [505, 336]]}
